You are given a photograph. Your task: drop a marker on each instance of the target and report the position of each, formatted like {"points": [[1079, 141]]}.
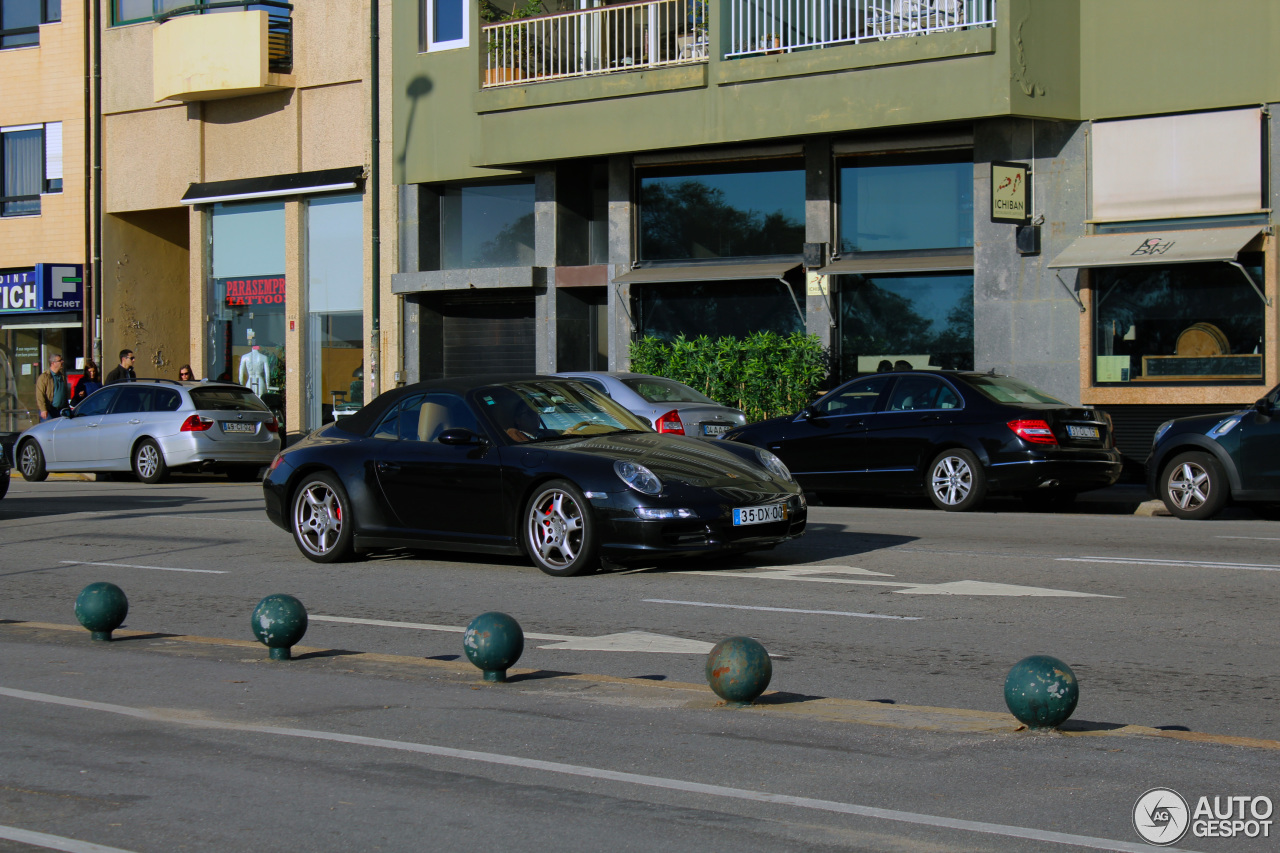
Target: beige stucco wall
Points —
{"points": [[144, 277]]}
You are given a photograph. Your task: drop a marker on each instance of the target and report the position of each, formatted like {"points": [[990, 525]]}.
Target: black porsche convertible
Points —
{"points": [[540, 466]]}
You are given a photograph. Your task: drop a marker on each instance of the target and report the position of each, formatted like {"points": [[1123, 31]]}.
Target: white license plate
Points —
{"points": [[1082, 432], [715, 429], [759, 514], [239, 426]]}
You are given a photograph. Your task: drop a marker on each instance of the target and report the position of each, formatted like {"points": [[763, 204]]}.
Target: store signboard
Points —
{"points": [[1011, 193], [49, 287], [265, 290]]}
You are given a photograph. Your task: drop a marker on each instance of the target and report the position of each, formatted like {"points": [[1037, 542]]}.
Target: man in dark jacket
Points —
{"points": [[124, 371], [52, 391]]}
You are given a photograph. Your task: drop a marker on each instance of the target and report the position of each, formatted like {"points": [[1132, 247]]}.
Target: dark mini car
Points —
{"points": [[1198, 464], [541, 466], [955, 436]]}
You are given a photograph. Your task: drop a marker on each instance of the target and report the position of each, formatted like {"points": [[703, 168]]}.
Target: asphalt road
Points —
{"points": [[891, 631]]}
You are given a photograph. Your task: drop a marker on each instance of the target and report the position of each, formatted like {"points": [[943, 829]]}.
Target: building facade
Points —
{"points": [[243, 218], [43, 214], [1077, 193]]}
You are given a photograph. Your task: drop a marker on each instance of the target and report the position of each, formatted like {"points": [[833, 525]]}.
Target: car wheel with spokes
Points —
{"points": [[322, 522], [559, 530], [31, 461], [148, 462], [1194, 486], [956, 481]]}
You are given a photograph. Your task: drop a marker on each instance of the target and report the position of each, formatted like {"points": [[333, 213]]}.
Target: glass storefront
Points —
{"points": [[716, 309], [722, 211], [486, 225], [892, 322], [335, 317], [247, 300], [1178, 323], [898, 203], [25, 350]]}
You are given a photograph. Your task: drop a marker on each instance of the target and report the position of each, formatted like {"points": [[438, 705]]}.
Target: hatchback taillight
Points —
{"points": [[670, 422], [1036, 432], [195, 423], [271, 425]]}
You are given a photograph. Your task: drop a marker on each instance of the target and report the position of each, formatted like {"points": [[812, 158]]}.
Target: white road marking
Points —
{"points": [[424, 626], [54, 842], [1194, 564], [783, 609], [810, 574], [193, 720], [131, 566], [1258, 538]]}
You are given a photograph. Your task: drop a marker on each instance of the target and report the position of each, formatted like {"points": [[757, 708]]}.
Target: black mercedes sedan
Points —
{"points": [[539, 466], [958, 436]]}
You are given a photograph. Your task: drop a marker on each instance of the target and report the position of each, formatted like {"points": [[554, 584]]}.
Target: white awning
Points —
{"points": [[1163, 247]]}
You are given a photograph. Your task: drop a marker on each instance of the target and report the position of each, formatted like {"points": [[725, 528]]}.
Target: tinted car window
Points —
{"points": [[657, 390], [227, 399], [98, 402], [401, 421], [914, 393], [165, 400], [856, 398], [435, 414], [1003, 389], [133, 398]]}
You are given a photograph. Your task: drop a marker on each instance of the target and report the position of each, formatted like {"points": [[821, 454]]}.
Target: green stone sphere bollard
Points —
{"points": [[493, 642], [739, 670], [1041, 691], [101, 607], [279, 621]]}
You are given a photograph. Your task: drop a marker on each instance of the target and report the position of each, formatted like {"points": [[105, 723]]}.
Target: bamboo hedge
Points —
{"points": [[764, 374]]}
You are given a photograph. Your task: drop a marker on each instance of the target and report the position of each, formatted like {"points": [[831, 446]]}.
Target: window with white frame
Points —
{"points": [[444, 24], [30, 166]]}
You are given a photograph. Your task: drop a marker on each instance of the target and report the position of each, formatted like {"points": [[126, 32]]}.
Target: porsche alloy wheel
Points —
{"points": [[322, 520], [560, 531]]}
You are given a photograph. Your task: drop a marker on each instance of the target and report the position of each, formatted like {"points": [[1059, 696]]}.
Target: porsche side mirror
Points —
{"points": [[1263, 406], [459, 436]]}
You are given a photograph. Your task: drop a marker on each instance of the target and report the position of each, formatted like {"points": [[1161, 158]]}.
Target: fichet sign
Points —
{"points": [[49, 287]]}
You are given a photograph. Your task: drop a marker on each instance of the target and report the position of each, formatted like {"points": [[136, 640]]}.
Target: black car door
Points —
{"points": [[899, 438], [440, 491], [826, 449], [1259, 453]]}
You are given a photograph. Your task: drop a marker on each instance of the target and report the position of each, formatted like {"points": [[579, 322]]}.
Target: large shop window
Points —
{"points": [[896, 322], [30, 165], [895, 203], [729, 210], [715, 309], [246, 300], [20, 20], [486, 225], [335, 307], [1178, 323]]}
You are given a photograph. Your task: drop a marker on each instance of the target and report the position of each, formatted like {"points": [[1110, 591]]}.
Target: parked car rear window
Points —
{"points": [[1003, 389], [666, 391], [227, 400]]}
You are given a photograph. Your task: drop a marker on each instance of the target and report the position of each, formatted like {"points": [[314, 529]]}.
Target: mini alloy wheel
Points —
{"points": [[1193, 486], [560, 531], [956, 481], [322, 520], [31, 462], [148, 462]]}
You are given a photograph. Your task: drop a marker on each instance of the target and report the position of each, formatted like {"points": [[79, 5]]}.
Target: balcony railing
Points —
{"points": [[621, 37], [279, 26], [773, 26]]}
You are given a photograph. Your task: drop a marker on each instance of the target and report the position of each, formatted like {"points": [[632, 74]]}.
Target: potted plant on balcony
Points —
{"points": [[508, 55]]}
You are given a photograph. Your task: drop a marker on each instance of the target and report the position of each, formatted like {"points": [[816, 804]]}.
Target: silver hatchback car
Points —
{"points": [[669, 405], [153, 426]]}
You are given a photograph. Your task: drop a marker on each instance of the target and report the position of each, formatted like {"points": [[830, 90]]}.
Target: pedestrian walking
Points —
{"points": [[123, 372], [52, 390], [186, 374], [90, 382]]}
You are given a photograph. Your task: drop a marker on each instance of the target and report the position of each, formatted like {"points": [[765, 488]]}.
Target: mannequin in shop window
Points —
{"points": [[255, 368]]}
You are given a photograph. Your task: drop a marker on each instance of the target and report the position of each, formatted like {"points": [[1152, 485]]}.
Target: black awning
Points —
{"points": [[275, 186]]}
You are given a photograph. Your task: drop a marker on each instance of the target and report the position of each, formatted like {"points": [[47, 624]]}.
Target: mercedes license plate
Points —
{"points": [[1082, 431], [715, 429], [759, 514], [239, 426]]}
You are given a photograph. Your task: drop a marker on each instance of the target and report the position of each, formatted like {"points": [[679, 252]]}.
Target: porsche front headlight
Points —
{"points": [[638, 477], [774, 465]]}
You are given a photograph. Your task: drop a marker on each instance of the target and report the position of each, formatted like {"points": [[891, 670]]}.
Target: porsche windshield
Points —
{"points": [[542, 410]]}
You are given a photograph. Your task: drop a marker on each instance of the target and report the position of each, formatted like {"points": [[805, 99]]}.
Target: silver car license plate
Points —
{"points": [[759, 514], [1082, 431], [239, 426], [715, 429]]}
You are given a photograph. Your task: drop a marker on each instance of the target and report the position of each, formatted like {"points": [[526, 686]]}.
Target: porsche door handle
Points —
{"points": [[387, 467]]}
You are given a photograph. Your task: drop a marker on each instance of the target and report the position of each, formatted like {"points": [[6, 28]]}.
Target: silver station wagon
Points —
{"points": [[153, 426]]}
